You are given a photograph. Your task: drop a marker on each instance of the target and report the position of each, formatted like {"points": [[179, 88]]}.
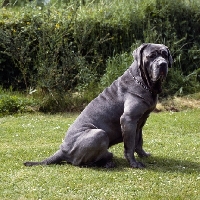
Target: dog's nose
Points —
{"points": [[163, 65]]}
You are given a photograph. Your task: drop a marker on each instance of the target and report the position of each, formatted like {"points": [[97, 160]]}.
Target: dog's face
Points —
{"points": [[153, 60], [156, 60]]}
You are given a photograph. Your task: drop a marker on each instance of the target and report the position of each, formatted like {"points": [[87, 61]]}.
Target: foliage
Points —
{"points": [[67, 46], [172, 172], [115, 67], [178, 84], [12, 103], [168, 23], [69, 102]]}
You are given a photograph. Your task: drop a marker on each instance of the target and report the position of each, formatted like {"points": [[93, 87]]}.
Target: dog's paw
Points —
{"points": [[110, 164], [138, 165], [142, 153]]}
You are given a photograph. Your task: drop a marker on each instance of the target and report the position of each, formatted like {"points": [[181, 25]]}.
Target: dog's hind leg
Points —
{"points": [[106, 161], [91, 149]]}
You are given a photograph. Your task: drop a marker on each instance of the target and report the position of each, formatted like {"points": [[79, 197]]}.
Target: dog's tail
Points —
{"points": [[57, 158]]}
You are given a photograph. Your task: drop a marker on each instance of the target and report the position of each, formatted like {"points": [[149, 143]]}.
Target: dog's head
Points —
{"points": [[153, 61]]}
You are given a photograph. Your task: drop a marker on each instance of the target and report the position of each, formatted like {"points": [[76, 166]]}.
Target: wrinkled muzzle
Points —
{"points": [[159, 69]]}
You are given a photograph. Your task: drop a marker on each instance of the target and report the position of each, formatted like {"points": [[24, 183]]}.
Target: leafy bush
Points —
{"points": [[11, 103], [179, 84], [115, 67], [71, 101], [71, 36], [176, 24], [66, 47]]}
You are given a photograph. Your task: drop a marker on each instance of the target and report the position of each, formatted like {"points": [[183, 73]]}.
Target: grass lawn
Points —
{"points": [[173, 171]]}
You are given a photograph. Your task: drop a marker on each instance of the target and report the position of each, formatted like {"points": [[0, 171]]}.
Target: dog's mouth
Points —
{"points": [[157, 84], [160, 78]]}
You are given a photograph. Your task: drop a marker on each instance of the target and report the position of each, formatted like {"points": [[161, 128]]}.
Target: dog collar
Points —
{"points": [[140, 83]]}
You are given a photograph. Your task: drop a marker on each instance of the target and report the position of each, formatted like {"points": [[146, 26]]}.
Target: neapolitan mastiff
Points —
{"points": [[117, 115]]}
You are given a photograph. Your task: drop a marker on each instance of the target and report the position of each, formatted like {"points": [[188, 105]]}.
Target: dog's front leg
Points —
{"points": [[139, 141], [129, 127]]}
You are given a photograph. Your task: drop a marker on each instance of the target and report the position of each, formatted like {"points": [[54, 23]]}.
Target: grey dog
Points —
{"points": [[117, 115]]}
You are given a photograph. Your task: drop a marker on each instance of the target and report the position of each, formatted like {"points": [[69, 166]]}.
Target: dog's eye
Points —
{"points": [[164, 54], [152, 55]]}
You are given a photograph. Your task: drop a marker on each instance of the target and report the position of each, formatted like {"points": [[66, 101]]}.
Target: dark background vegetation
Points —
{"points": [[64, 53]]}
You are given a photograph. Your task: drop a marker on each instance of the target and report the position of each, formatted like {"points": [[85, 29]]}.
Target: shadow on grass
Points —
{"points": [[166, 164], [159, 164], [153, 163]]}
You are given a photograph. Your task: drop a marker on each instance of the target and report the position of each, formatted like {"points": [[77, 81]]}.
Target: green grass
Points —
{"points": [[173, 171]]}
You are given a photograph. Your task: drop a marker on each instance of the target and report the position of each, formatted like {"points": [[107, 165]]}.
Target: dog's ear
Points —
{"points": [[170, 59], [137, 53]]}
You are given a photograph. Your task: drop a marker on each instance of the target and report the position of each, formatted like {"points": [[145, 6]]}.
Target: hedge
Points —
{"points": [[61, 46]]}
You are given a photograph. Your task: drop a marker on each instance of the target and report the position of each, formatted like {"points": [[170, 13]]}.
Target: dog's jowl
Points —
{"points": [[117, 115]]}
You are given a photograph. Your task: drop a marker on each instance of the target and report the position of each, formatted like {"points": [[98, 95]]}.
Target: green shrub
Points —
{"points": [[71, 101], [67, 46], [179, 84], [175, 23], [11, 103], [115, 67], [67, 37]]}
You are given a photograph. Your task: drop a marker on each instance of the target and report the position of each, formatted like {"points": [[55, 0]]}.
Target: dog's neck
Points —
{"points": [[142, 76], [139, 77], [145, 77]]}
